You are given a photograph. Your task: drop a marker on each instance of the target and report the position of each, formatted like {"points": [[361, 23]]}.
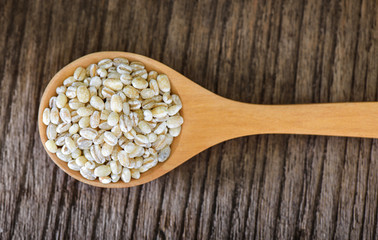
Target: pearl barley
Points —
{"points": [[113, 120]]}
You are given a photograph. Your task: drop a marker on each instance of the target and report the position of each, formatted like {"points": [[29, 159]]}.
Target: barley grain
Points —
{"points": [[68, 81], [51, 146], [46, 116], [88, 133], [113, 119], [87, 173], [116, 103], [63, 157], [80, 73], [83, 94], [126, 175], [102, 171]]}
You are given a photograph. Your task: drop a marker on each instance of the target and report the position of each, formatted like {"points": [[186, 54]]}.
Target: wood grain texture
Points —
{"points": [[257, 187]]}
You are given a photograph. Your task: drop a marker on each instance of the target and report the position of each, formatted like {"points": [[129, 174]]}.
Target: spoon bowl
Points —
{"points": [[210, 119]]}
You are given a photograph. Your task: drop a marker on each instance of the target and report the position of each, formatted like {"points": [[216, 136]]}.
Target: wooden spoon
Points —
{"points": [[210, 119]]}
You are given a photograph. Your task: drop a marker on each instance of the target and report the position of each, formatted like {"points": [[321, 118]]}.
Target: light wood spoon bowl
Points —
{"points": [[210, 119]]}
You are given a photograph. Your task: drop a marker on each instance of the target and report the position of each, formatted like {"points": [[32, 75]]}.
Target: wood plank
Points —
{"points": [[357, 156], [273, 194], [294, 187], [337, 148], [18, 125]]}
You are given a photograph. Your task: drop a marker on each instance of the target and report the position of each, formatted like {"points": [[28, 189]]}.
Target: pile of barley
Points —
{"points": [[113, 120]]}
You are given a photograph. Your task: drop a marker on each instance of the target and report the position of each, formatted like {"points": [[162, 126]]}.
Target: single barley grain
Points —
{"points": [[46, 116], [51, 146]]}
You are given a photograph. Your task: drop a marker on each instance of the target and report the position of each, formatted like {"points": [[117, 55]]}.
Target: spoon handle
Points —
{"points": [[332, 119]]}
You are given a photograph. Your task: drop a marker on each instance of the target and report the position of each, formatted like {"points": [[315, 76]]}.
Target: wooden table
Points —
{"points": [[257, 187]]}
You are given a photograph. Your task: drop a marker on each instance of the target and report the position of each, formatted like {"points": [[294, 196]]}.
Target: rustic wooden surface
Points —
{"points": [[257, 187]]}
